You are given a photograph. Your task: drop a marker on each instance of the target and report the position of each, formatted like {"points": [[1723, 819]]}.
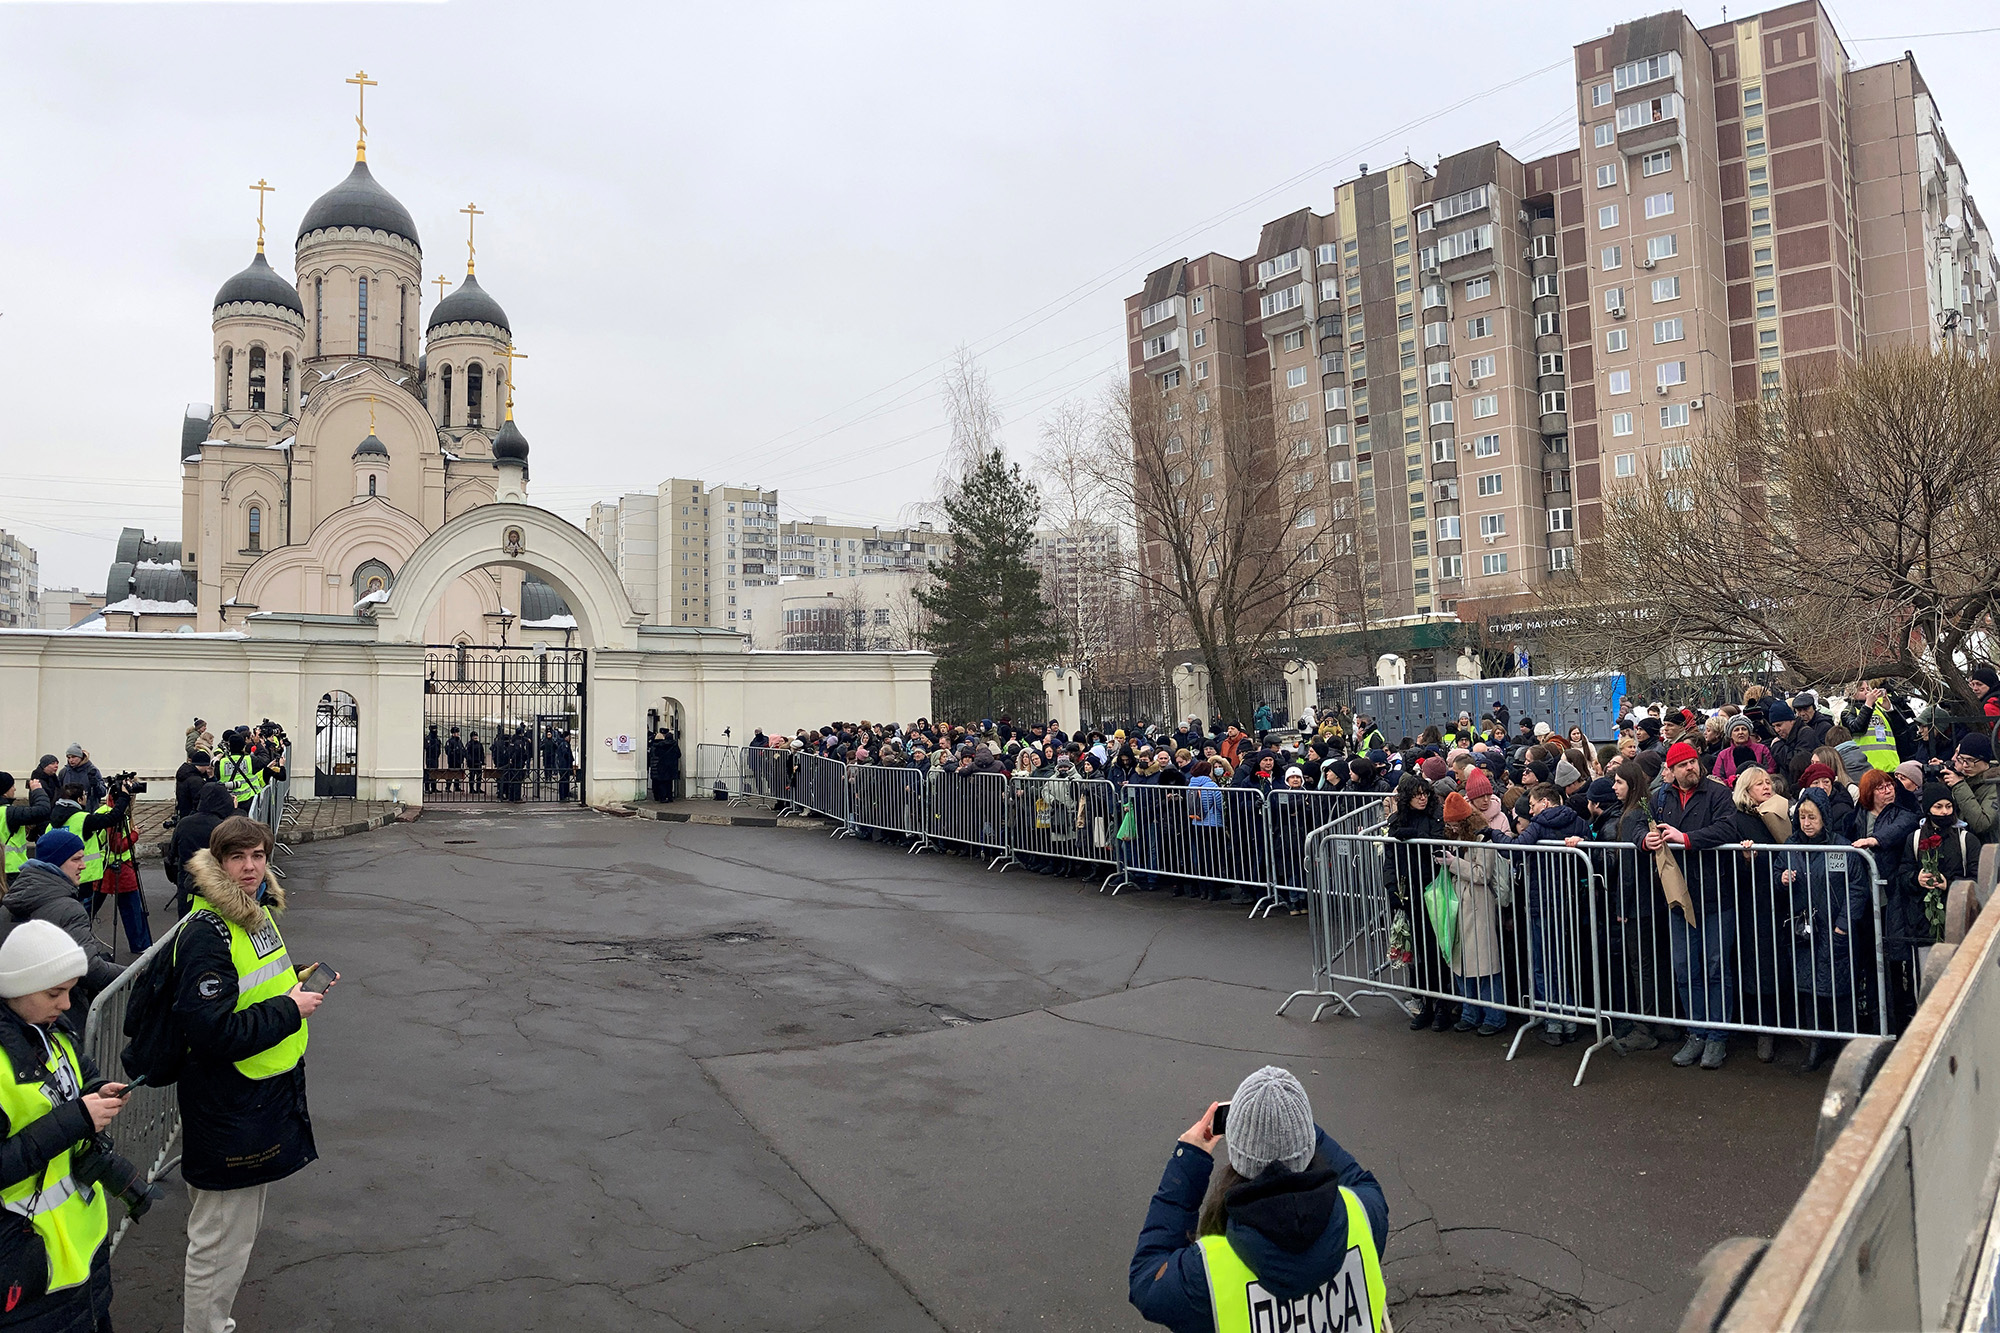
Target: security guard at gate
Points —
{"points": [[1290, 1237], [56, 1267], [243, 1090]]}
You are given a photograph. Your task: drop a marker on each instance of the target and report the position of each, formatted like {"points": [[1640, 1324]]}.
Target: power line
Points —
{"points": [[1919, 36]]}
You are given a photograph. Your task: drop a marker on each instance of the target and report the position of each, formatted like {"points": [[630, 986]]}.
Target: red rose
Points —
{"points": [[1932, 843]]}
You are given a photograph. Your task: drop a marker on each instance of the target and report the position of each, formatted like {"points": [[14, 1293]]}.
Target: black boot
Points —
{"points": [[1422, 1018], [1816, 1053]]}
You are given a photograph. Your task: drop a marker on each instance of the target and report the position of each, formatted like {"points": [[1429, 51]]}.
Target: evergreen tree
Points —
{"points": [[990, 627]]}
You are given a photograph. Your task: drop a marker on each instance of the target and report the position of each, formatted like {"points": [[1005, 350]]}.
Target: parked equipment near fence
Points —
{"points": [[147, 1131]]}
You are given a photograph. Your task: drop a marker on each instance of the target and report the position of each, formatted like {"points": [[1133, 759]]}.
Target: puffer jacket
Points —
{"points": [[42, 892], [1288, 1227], [239, 1131]]}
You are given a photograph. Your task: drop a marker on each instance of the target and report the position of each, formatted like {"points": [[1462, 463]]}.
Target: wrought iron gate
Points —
{"points": [[517, 717], [336, 744]]}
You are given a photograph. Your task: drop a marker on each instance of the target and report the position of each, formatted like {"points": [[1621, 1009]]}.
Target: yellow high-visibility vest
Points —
{"points": [[263, 969], [1354, 1300]]}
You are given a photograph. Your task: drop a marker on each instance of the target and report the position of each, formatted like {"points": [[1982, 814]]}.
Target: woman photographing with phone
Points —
{"points": [[1286, 1220]]}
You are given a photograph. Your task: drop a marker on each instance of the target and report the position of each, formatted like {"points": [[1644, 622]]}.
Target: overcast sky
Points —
{"points": [[736, 241]]}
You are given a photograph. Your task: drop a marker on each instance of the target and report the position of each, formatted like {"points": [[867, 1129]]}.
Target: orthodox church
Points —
{"points": [[345, 427]]}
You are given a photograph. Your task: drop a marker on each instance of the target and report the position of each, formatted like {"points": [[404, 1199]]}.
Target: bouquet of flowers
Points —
{"points": [[1399, 939], [1928, 851]]}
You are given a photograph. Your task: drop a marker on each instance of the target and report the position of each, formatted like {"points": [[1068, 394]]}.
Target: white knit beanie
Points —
{"points": [[38, 956], [1270, 1120]]}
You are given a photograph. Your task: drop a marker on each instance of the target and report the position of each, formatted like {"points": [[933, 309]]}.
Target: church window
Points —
{"points": [[256, 379], [256, 529], [361, 345], [444, 381], [228, 375], [319, 319], [286, 385], [371, 483], [403, 322], [474, 392]]}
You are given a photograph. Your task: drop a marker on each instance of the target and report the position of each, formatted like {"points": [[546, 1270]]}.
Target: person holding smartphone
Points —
{"points": [[1288, 1220], [243, 1090]]}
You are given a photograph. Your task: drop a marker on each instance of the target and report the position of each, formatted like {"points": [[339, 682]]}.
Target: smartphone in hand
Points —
{"points": [[1218, 1124], [317, 978]]}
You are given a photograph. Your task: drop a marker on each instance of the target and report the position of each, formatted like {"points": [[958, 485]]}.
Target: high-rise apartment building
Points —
{"points": [[1459, 364], [686, 550], [813, 548], [20, 584]]}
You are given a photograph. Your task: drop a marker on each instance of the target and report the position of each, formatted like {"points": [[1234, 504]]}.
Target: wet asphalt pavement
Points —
{"points": [[584, 1073]]}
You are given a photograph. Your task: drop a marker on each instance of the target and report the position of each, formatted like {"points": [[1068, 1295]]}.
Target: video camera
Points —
{"points": [[127, 782], [100, 1164]]}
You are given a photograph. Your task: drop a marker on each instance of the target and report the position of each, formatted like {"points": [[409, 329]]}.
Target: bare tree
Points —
{"points": [[908, 620], [1082, 564], [1232, 541], [1843, 530]]}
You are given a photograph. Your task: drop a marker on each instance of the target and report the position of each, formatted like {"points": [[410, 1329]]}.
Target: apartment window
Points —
{"points": [[1493, 564], [1447, 527], [1545, 284], [1603, 134], [1200, 304], [1767, 303], [1638, 115], [1169, 341], [1561, 557], [1297, 411], [1171, 380], [1470, 241], [1437, 335], [1554, 401], [1295, 340], [1340, 470], [1276, 303], [1158, 311], [1207, 468], [1175, 444], [1669, 373], [1437, 373], [1302, 481], [1433, 295], [1336, 400], [1486, 405], [1753, 141], [1625, 465], [1548, 324], [1201, 373], [1767, 337], [1478, 288], [1618, 381], [1607, 217], [1634, 73], [1654, 164], [1302, 448], [1295, 377], [1328, 253], [1305, 519], [1479, 367], [1173, 414], [1281, 264], [1659, 205], [1466, 201], [1761, 262], [1480, 326], [1753, 99], [1486, 446], [1331, 363], [1561, 520], [1760, 221], [1614, 299], [1492, 525], [1600, 95], [1451, 567], [1607, 175], [1677, 459], [1666, 331], [1662, 247], [1611, 257], [1666, 289], [1490, 484], [1621, 423], [1336, 436], [1440, 413], [1208, 502], [1440, 451], [1201, 337], [1673, 414], [1760, 182]]}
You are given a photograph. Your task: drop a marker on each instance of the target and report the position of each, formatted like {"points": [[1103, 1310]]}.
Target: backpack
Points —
{"points": [[155, 1039]]}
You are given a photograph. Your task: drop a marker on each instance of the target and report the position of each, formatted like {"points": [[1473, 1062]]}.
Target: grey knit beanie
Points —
{"points": [[1566, 776], [1270, 1120]]}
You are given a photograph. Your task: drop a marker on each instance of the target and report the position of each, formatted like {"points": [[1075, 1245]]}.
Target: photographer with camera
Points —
{"points": [[1288, 1221], [24, 822], [243, 771], [46, 890], [56, 1165], [91, 826], [243, 1089]]}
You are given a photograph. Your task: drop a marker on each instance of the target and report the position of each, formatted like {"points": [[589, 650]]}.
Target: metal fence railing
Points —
{"points": [[272, 806], [147, 1131], [717, 768]]}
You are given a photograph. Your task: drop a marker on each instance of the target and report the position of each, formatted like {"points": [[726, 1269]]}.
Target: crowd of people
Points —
{"points": [[456, 762], [1774, 938], [230, 1004]]}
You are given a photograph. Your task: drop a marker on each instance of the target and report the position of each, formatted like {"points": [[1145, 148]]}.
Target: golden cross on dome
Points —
{"points": [[472, 215], [362, 83], [512, 355], [443, 282], [262, 189]]}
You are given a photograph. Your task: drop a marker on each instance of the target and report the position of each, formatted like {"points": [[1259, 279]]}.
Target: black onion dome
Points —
{"points": [[468, 304], [359, 201], [371, 445], [509, 444], [260, 284]]}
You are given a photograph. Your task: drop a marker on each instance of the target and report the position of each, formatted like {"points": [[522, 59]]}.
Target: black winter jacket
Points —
{"points": [[42, 892], [213, 804], [238, 1131]]}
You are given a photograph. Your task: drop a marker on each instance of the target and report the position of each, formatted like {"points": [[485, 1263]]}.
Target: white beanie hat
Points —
{"points": [[1270, 1120], [38, 956]]}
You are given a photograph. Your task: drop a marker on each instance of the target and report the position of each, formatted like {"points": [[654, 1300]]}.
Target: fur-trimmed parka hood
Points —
{"points": [[222, 893]]}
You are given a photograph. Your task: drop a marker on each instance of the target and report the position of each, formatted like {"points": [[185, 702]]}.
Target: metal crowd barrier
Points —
{"points": [[1581, 937], [148, 1129], [716, 766], [1214, 834], [1294, 815], [889, 799], [968, 810], [768, 775], [1061, 819], [820, 786]]}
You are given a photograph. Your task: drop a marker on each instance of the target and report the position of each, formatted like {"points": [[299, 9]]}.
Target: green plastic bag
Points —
{"points": [[1128, 827], [1441, 906]]}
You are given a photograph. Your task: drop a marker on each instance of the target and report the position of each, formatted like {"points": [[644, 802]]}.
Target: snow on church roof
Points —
{"points": [[146, 607]]}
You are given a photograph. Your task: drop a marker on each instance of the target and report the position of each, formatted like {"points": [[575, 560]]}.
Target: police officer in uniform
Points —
{"points": [[1289, 1233], [55, 1228], [243, 1091]]}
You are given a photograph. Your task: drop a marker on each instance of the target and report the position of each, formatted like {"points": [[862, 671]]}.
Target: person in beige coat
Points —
{"points": [[1477, 875]]}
